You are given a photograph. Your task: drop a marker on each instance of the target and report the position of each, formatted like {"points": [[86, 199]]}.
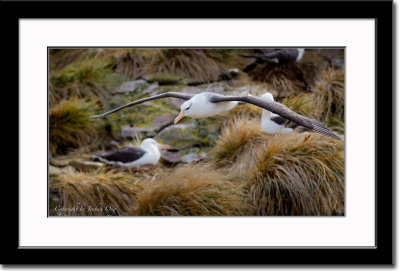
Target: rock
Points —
{"points": [[132, 132], [54, 170], [152, 89], [146, 118], [163, 78], [171, 156], [187, 155], [131, 86], [58, 162], [157, 124], [190, 157], [179, 136], [85, 165], [114, 143]]}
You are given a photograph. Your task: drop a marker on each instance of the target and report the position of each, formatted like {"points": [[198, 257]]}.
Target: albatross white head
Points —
{"points": [[267, 96], [188, 108], [151, 144]]}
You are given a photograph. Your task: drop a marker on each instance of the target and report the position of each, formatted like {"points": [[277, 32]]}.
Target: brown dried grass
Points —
{"points": [[291, 78], [78, 191], [190, 191], [298, 175], [328, 94], [285, 174]]}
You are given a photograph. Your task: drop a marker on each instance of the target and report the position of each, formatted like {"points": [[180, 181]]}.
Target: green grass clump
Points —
{"points": [[91, 79], [60, 58], [70, 125], [190, 191], [80, 193]]}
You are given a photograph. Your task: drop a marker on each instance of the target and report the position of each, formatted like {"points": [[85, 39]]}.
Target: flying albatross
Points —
{"points": [[208, 104], [147, 153]]}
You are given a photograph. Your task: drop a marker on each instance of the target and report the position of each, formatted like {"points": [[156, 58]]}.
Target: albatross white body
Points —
{"points": [[147, 154], [151, 156], [269, 126], [201, 107]]}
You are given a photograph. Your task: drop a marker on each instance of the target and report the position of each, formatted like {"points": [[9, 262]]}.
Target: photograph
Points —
{"points": [[195, 131]]}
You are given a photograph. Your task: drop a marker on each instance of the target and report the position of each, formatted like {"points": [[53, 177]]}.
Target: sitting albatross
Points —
{"points": [[208, 104], [147, 153], [272, 123]]}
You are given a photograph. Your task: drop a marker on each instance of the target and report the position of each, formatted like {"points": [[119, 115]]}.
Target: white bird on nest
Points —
{"points": [[208, 104], [272, 123], [148, 153]]}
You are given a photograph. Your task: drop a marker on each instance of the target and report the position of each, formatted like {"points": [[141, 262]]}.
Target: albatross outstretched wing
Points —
{"points": [[183, 96], [281, 110]]}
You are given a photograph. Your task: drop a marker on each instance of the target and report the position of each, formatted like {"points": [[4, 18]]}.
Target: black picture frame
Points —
{"points": [[381, 11]]}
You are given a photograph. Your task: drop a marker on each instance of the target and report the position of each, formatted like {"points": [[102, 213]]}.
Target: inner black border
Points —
{"points": [[381, 11]]}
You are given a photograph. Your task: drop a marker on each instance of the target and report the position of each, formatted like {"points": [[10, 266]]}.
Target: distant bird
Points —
{"points": [[272, 123], [279, 56], [208, 104], [147, 153]]}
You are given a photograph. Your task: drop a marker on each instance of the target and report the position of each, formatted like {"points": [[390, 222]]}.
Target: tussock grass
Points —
{"points": [[190, 191], [60, 58], [201, 65], [286, 174], [303, 104], [286, 79], [234, 140], [292, 78], [92, 79], [300, 175], [328, 94], [195, 64], [246, 172], [70, 125], [130, 62], [244, 111], [78, 191]]}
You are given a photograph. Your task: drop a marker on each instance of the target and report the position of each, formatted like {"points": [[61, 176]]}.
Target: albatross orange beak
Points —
{"points": [[179, 117], [163, 147]]}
